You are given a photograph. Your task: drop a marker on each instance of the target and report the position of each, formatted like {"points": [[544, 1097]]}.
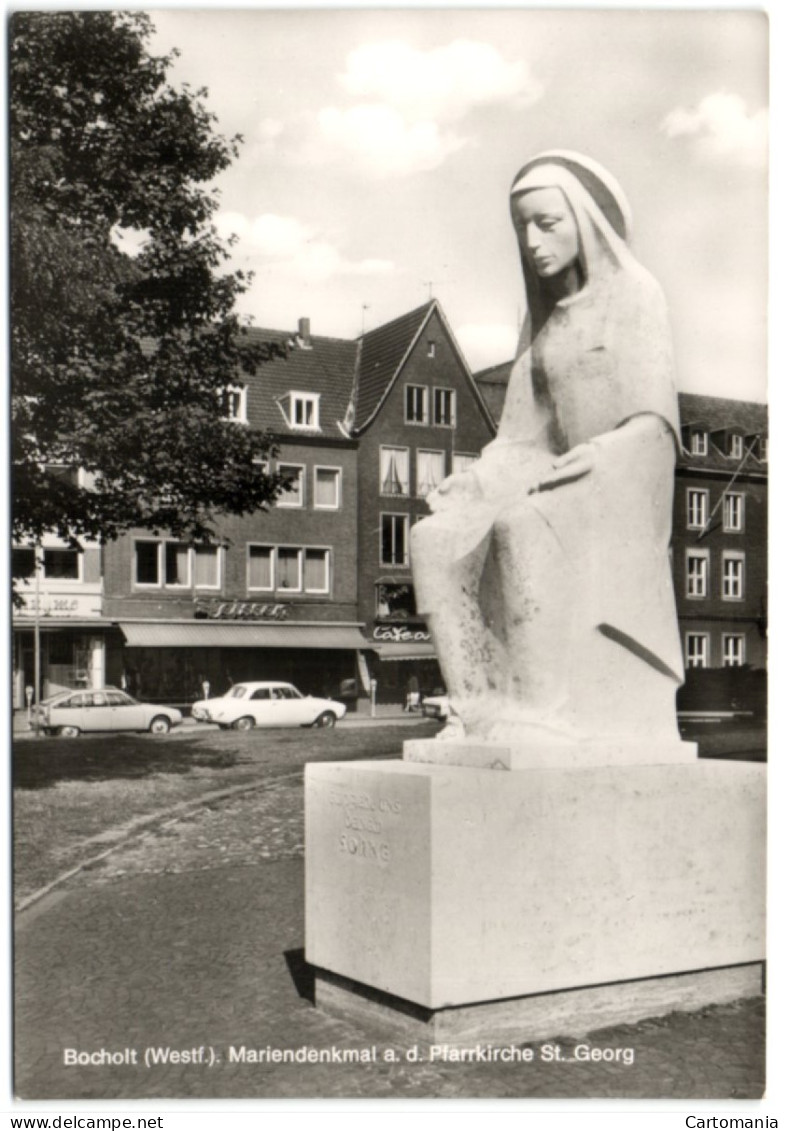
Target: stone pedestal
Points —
{"points": [[449, 886]]}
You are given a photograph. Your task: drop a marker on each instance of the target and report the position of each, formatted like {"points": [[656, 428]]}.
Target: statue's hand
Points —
{"points": [[462, 487], [573, 465]]}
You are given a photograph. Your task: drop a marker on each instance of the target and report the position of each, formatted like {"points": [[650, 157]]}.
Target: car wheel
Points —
{"points": [[69, 732], [160, 725], [244, 723], [327, 719]]}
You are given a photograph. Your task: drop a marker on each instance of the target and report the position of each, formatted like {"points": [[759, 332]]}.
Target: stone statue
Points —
{"points": [[544, 569]]}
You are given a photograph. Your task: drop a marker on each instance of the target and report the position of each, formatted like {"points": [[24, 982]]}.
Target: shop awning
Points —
{"points": [[207, 634], [404, 651]]}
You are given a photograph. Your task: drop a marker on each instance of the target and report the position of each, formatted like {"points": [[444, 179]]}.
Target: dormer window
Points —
{"points": [[236, 403], [698, 442], [735, 447], [304, 411]]}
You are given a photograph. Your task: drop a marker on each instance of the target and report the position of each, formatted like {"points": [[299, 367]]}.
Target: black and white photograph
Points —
{"points": [[388, 618]]}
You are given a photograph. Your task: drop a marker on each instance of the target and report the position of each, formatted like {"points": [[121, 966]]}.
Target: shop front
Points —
{"points": [[178, 662], [404, 663]]}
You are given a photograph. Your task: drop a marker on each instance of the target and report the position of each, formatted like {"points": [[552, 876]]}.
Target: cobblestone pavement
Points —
{"points": [[190, 937]]}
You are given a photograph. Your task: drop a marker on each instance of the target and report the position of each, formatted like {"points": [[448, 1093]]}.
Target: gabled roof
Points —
{"points": [[382, 353], [326, 368]]}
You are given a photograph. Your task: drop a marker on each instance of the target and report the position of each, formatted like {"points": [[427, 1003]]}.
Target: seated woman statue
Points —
{"points": [[544, 570]]}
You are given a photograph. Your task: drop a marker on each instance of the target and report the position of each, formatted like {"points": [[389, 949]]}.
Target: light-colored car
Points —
{"points": [[105, 709], [436, 707], [267, 704]]}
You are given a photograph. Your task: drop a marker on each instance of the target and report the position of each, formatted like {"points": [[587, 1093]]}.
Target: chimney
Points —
{"points": [[304, 333]]}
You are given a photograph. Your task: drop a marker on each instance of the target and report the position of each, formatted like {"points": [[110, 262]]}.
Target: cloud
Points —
{"points": [[409, 102], [722, 127], [384, 142], [442, 84], [487, 344], [294, 247]]}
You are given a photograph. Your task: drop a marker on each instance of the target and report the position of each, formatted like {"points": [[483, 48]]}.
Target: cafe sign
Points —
{"points": [[206, 609], [401, 634]]}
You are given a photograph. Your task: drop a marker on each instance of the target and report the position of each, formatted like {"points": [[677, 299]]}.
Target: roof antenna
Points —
{"points": [[365, 306]]}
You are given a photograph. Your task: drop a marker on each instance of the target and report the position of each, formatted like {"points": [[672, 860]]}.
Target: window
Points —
{"points": [[763, 448], [394, 471], [176, 565], [61, 565], [735, 447], [431, 349], [697, 573], [733, 512], [733, 577], [146, 563], [697, 647], [429, 472], [462, 462], [288, 568], [698, 442], [733, 648], [394, 539], [698, 509], [394, 601], [260, 567], [316, 571], [444, 407], [206, 567], [416, 404], [23, 562], [305, 411], [236, 403], [293, 495], [66, 473], [327, 488]]}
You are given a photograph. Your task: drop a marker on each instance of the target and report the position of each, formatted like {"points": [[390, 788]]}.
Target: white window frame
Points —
{"points": [[326, 551], [406, 540], [272, 564], [734, 527], [158, 584], [420, 494], [335, 506], [733, 557], [172, 584], [699, 442], [299, 558], [240, 391], [292, 499], [693, 521], [425, 390], [193, 554], [314, 400], [736, 446], [692, 577], [692, 656], [383, 451], [729, 660], [438, 390], [431, 349]]}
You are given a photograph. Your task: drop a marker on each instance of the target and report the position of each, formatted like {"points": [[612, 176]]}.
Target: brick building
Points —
{"points": [[418, 417], [277, 598]]}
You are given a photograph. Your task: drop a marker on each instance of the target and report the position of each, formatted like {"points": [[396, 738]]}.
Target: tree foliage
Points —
{"points": [[119, 360]]}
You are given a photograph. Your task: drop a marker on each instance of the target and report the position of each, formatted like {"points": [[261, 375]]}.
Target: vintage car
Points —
{"points": [[436, 707], [267, 704], [103, 709]]}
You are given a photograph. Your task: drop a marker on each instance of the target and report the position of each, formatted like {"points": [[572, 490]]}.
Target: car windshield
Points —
{"points": [[237, 692]]}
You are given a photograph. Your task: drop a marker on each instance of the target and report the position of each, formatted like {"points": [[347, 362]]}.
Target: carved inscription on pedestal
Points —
{"points": [[368, 823]]}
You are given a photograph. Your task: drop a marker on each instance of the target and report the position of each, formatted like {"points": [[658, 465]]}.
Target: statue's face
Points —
{"points": [[547, 232]]}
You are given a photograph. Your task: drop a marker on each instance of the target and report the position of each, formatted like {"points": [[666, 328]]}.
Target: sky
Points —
{"points": [[380, 145]]}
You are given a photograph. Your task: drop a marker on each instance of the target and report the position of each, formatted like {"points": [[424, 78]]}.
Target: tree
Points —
{"points": [[120, 362]]}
